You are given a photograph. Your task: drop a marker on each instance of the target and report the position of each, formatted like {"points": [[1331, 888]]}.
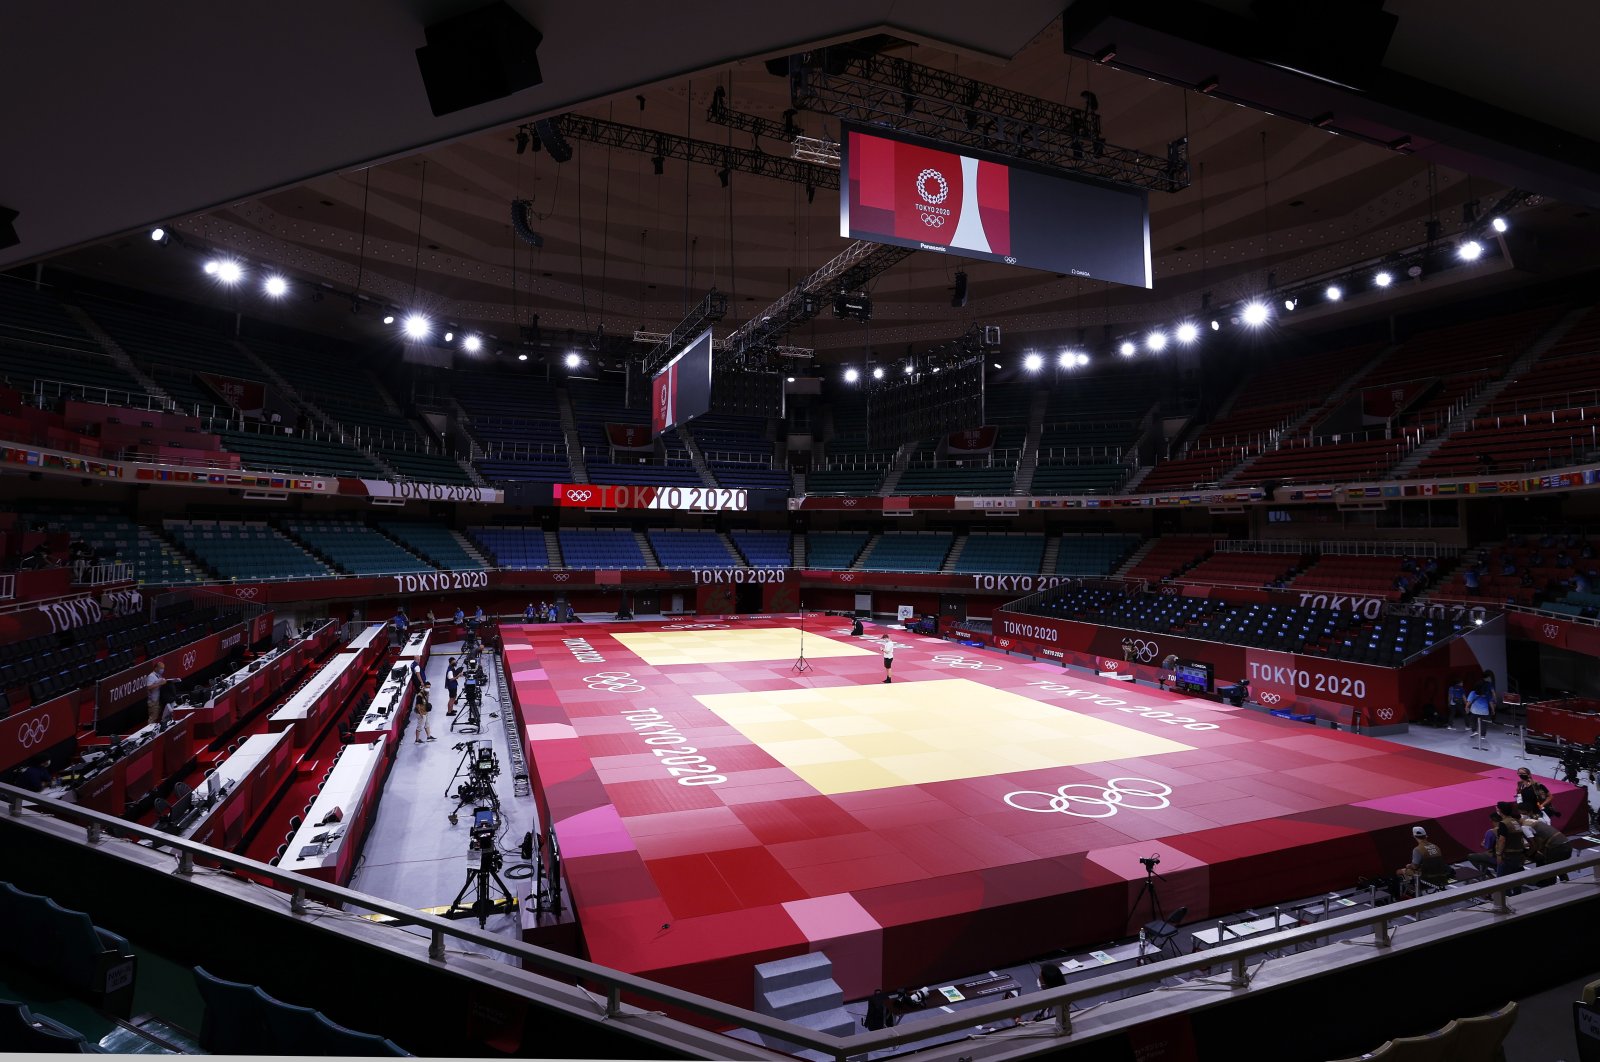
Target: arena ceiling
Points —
{"points": [[299, 135]]}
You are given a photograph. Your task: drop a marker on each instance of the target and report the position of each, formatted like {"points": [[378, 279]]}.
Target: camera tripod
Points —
{"points": [[469, 720], [484, 881], [477, 788], [800, 666], [1148, 888]]}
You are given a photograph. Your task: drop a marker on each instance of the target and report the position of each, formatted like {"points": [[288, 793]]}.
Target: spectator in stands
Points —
{"points": [[1456, 700], [1533, 797], [1580, 583], [1508, 567], [424, 707], [888, 658], [1563, 559], [1586, 552], [478, 616], [1470, 578], [1527, 580], [1400, 583], [1407, 564], [452, 679], [1430, 567]]}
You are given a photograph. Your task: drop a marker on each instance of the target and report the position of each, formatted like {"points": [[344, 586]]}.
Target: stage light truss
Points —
{"points": [[642, 335], [848, 271], [805, 148], [882, 90], [711, 309], [721, 156]]}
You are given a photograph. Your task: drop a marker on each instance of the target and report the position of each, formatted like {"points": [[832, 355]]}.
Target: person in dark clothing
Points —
{"points": [[1532, 796], [1548, 844], [36, 776], [1511, 843], [856, 630]]}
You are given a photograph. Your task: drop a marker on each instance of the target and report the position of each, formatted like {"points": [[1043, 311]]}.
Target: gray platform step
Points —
{"points": [[793, 971], [837, 1022], [792, 1003]]}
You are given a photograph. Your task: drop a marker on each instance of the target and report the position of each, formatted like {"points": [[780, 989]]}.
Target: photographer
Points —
{"points": [[424, 707], [452, 679]]}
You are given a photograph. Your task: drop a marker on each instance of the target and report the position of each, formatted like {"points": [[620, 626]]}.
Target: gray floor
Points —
{"points": [[413, 855]]}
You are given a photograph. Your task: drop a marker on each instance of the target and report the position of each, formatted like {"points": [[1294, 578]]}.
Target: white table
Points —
{"points": [[237, 767], [417, 646], [365, 638], [346, 789], [303, 703], [1222, 934], [379, 718]]}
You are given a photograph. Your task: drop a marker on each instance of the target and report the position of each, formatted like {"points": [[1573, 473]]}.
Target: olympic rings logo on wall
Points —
{"points": [[30, 734], [956, 660], [189, 659], [697, 627], [560, 577], [1110, 797], [613, 682], [1145, 651], [245, 592], [1551, 630], [1269, 697], [579, 495]]}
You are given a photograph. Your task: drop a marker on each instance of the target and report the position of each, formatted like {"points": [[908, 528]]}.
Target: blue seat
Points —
{"points": [[246, 1019], [67, 947], [21, 1030]]}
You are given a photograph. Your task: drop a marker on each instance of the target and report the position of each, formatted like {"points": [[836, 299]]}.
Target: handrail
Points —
{"points": [[8, 586], [105, 574], [1384, 922]]}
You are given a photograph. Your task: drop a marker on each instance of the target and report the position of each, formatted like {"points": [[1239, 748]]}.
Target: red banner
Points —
{"points": [[261, 628], [1387, 400], [630, 437], [127, 687], [50, 618], [25, 734], [672, 499], [249, 397], [971, 441]]}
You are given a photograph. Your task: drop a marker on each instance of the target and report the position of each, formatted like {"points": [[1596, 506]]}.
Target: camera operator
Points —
{"points": [[452, 680], [423, 706]]}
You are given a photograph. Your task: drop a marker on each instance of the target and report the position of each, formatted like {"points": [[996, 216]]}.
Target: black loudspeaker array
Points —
{"points": [[485, 54], [741, 393], [929, 405]]}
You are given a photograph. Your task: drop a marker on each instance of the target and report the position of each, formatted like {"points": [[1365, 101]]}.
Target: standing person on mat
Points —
{"points": [[888, 658], [423, 707]]}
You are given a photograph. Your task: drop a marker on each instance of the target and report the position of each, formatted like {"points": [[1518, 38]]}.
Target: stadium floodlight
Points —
{"points": [[276, 286], [1067, 359], [877, 373], [448, 336], [1156, 340], [909, 368], [229, 272], [1469, 251], [851, 376], [1033, 362], [1083, 359], [1256, 313], [1383, 279], [789, 379], [1334, 293], [388, 318], [522, 357], [211, 267], [1499, 225], [417, 326], [472, 344], [1289, 304], [1127, 350], [1187, 333], [1216, 325], [159, 235], [573, 361]]}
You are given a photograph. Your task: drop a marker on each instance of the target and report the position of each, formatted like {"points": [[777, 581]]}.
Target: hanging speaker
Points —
{"points": [[521, 212], [553, 141], [960, 297], [482, 55]]}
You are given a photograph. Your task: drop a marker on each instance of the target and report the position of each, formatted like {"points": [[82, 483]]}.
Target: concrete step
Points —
{"points": [[795, 970], [792, 1004]]}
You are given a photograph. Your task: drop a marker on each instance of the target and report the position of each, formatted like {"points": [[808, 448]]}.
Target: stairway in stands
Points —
{"points": [[954, 555], [1052, 550], [552, 549], [651, 561], [1412, 461], [569, 431], [114, 350]]}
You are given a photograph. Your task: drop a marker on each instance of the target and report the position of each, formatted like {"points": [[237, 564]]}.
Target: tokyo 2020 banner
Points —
{"points": [[926, 195]]}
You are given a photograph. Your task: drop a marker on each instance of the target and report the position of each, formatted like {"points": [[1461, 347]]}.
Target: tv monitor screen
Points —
{"points": [[931, 196], [1192, 675], [682, 391]]}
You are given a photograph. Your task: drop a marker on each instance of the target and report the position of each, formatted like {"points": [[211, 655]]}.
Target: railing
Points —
{"points": [[103, 574], [738, 457], [1270, 545], [1548, 402], [8, 586], [1369, 548], [105, 396], [1080, 455], [1231, 968]]}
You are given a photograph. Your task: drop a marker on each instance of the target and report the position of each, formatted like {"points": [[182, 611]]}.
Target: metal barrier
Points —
{"points": [[1235, 959], [8, 587]]}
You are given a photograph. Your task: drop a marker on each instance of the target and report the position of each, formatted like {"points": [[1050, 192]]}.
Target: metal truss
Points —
{"points": [[820, 150], [848, 271], [721, 156], [712, 308], [882, 90]]}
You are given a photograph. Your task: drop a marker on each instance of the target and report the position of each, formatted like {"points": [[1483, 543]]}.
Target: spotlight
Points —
{"points": [[1334, 293], [1477, 621], [997, 364], [229, 271], [1216, 325], [417, 326], [1290, 304], [276, 286], [573, 360], [1256, 313], [935, 369], [1033, 363], [211, 268], [1083, 359], [448, 336], [1127, 349], [472, 344], [1383, 279], [851, 376], [160, 235], [522, 357], [1469, 251], [877, 373], [1499, 225], [789, 379], [388, 318], [909, 369], [1187, 333], [1156, 341], [1067, 359]]}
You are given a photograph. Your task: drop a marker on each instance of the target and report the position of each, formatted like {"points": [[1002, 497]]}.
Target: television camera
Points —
{"points": [[484, 862], [477, 771], [474, 680]]}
